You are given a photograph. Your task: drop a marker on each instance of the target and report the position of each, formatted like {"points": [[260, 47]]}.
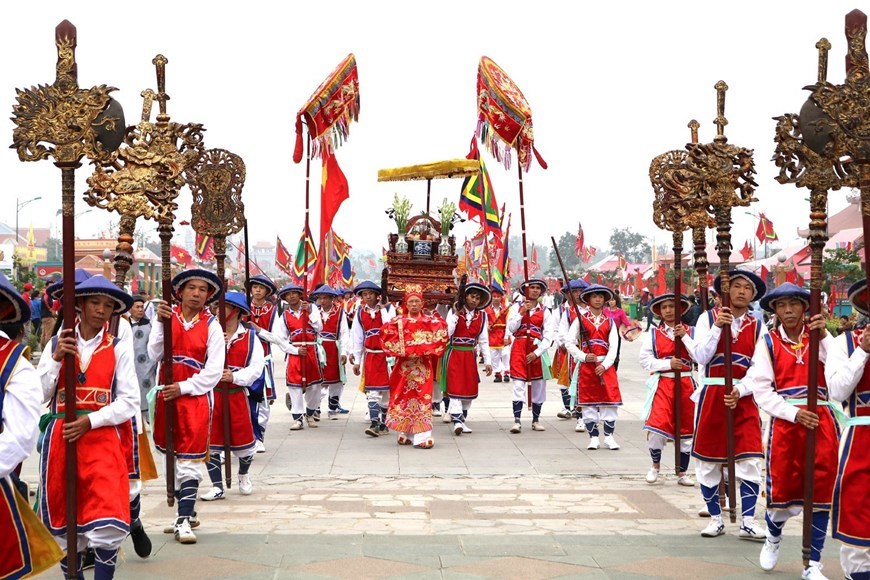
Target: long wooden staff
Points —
{"points": [[678, 346], [247, 264], [804, 160], [220, 254], [303, 361], [526, 317], [67, 123], [164, 230]]}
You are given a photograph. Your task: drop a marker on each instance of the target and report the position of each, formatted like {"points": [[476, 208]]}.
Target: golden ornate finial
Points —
{"points": [[160, 63], [720, 121], [694, 126], [823, 46]]}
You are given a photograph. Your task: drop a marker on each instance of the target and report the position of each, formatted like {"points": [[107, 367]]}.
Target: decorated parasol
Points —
{"points": [[448, 169], [330, 110], [504, 123]]}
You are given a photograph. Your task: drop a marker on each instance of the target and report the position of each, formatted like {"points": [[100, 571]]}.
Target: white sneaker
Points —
{"points": [[332, 415], [652, 475], [686, 481], [245, 485], [311, 421], [536, 426], [457, 429], [436, 412], [259, 447], [466, 429], [183, 533], [517, 428], [750, 530], [297, 425], [611, 442], [580, 427], [813, 572], [769, 555], [593, 443], [446, 418], [564, 413], [213, 494], [716, 527]]}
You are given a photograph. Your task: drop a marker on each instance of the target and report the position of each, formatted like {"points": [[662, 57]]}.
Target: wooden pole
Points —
{"points": [[165, 233], [678, 347], [68, 178], [303, 363], [220, 254], [247, 264], [526, 318]]}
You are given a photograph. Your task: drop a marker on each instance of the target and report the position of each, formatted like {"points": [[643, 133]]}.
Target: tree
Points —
{"points": [[566, 245], [634, 247], [842, 265]]}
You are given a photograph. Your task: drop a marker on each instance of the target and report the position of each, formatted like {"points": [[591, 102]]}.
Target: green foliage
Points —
{"points": [[566, 245], [841, 264], [633, 246]]}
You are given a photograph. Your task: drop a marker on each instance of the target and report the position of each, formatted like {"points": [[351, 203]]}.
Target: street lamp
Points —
{"points": [[18, 206]]}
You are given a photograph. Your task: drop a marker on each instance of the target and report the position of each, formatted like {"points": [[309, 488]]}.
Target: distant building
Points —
{"points": [[263, 254]]}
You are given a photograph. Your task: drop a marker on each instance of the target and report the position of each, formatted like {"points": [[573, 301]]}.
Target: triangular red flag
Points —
{"points": [[333, 191], [746, 252]]}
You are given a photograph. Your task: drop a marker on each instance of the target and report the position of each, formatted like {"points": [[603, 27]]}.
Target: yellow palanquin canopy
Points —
{"points": [[438, 170]]}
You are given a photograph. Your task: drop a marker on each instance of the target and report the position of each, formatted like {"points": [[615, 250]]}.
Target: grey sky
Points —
{"points": [[610, 84]]}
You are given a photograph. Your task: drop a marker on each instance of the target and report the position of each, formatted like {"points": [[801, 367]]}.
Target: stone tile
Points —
{"points": [[678, 568], [361, 568], [517, 567]]}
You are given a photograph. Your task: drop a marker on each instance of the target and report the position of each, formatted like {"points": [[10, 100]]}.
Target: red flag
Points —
{"points": [[798, 279], [599, 278], [333, 191], [832, 298], [791, 276], [204, 248], [765, 231], [638, 279], [533, 262], [746, 252], [578, 247], [764, 273], [709, 280], [181, 255], [588, 277], [283, 259], [240, 256]]}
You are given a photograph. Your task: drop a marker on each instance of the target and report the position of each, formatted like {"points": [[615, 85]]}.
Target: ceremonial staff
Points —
{"points": [[67, 123], [724, 172], [699, 227], [247, 264], [810, 149], [505, 124], [216, 182]]}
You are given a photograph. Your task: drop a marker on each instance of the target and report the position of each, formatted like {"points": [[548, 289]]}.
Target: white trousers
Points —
{"points": [[654, 441], [104, 538], [300, 401], [382, 398], [539, 391], [501, 359], [599, 414], [457, 406], [854, 559], [187, 470], [709, 474]]}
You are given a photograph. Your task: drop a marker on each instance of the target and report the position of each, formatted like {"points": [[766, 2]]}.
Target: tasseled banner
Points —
{"points": [[297, 151]]}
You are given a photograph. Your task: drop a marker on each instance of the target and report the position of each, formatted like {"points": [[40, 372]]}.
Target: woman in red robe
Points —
{"points": [[416, 339]]}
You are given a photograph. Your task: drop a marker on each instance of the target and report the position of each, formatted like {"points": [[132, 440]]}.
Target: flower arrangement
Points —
{"points": [[400, 212], [447, 211]]}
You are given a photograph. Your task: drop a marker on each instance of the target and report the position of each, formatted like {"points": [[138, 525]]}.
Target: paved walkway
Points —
{"points": [[333, 503]]}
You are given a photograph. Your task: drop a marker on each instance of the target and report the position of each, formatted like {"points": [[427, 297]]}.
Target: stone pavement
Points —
{"points": [[333, 503]]}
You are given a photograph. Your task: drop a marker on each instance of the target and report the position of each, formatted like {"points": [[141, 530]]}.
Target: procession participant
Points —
{"points": [[778, 379], [711, 446], [335, 339], [657, 356], [467, 329], [533, 328], [368, 357], [263, 314], [198, 353], [597, 383], [107, 397], [297, 337], [244, 367], [26, 546], [568, 316], [499, 339], [848, 377], [146, 368], [416, 339]]}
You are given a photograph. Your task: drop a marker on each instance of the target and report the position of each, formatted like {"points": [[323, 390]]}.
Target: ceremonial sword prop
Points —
{"points": [[67, 123], [811, 151], [216, 181]]}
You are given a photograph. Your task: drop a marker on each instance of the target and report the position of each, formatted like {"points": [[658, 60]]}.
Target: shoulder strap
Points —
{"points": [[850, 342]]}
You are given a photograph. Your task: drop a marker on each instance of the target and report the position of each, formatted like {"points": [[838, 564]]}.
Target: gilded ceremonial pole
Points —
{"points": [[724, 172], [216, 181], [699, 238], [826, 147], [67, 123]]}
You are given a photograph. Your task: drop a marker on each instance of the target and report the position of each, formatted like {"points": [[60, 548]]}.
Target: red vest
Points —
{"points": [[742, 347], [497, 326], [189, 347], [263, 316]]}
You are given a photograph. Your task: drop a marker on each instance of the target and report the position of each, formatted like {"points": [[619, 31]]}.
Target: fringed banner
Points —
{"points": [[330, 110], [505, 119]]}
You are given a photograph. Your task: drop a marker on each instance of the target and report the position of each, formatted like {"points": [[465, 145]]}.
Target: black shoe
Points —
{"points": [[497, 378], [89, 559], [141, 541], [372, 430]]}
